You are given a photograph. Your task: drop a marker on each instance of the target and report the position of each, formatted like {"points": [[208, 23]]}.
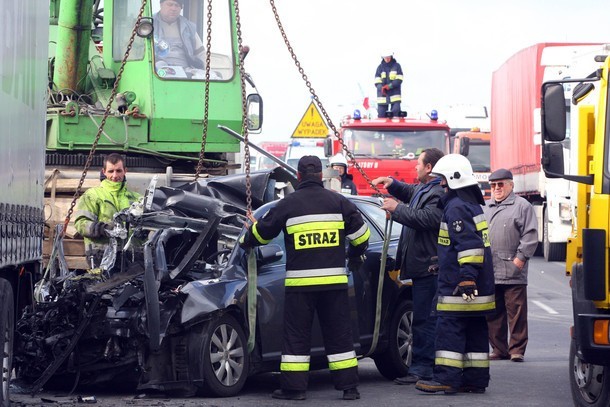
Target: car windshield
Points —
{"points": [[392, 143], [479, 156]]}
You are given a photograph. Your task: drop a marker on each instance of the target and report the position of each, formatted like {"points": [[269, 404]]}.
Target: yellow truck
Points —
{"points": [[588, 253]]}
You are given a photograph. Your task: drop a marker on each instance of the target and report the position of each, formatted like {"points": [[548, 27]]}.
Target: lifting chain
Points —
{"points": [[244, 107], [103, 122], [208, 58], [317, 99]]}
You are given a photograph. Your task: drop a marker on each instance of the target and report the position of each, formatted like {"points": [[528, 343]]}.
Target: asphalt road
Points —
{"points": [[542, 380]]}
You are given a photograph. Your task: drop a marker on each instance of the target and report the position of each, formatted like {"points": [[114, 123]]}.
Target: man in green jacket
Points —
{"points": [[97, 206]]}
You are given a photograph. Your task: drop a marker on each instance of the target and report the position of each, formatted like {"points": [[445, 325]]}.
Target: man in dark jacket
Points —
{"points": [[388, 80], [316, 222], [465, 284], [420, 216]]}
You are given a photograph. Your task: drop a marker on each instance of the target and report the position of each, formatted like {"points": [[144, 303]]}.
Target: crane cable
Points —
{"points": [[317, 99], [206, 104], [252, 267], [349, 154]]}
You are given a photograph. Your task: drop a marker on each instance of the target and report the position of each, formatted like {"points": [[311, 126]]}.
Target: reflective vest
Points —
{"points": [[99, 204]]}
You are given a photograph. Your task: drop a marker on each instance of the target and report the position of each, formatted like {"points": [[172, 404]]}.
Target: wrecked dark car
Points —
{"points": [[169, 311]]}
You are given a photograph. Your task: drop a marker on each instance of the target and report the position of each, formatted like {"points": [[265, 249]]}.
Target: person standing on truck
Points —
{"points": [[465, 292], [316, 222], [339, 163], [513, 232], [176, 39], [388, 81], [417, 259], [96, 207]]}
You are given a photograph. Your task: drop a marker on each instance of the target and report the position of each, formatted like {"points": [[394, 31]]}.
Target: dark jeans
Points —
{"points": [[511, 315], [424, 325]]}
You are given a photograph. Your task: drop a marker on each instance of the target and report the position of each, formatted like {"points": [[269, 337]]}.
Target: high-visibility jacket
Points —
{"points": [[464, 254], [99, 204], [316, 222], [388, 73]]}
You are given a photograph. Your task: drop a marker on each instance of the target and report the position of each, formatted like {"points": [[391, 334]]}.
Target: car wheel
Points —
{"points": [[225, 359], [7, 322], [590, 384], [395, 360]]}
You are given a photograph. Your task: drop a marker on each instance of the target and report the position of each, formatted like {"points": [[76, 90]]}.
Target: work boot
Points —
{"points": [[408, 379], [515, 357], [288, 394], [351, 394], [467, 388], [431, 386]]}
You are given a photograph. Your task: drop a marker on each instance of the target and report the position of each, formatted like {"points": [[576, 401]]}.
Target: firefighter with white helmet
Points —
{"points": [[465, 284], [388, 81], [339, 163]]}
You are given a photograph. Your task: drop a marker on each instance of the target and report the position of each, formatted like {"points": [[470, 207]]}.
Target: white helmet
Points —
{"points": [[387, 53], [338, 159], [457, 171]]}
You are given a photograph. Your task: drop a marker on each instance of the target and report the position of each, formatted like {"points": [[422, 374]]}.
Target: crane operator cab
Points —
{"points": [[180, 38]]}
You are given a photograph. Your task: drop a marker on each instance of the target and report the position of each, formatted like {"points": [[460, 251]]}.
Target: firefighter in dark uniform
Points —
{"points": [[315, 222], [465, 284], [388, 81]]}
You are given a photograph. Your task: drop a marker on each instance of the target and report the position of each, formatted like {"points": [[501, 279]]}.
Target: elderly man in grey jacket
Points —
{"points": [[514, 236]]}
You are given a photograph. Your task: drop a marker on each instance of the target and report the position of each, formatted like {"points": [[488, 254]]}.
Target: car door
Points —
{"points": [[364, 297]]}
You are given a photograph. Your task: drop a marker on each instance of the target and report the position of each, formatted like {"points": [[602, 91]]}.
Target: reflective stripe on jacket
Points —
{"points": [[315, 222], [389, 73], [464, 254]]}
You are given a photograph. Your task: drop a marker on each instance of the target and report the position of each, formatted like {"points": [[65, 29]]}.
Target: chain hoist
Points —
{"points": [[103, 122], [252, 267], [208, 58], [317, 99]]}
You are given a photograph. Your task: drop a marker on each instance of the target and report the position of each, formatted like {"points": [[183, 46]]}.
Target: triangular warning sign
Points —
{"points": [[312, 124]]}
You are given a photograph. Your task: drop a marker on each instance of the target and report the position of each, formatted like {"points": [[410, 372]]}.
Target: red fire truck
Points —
{"points": [[389, 146]]}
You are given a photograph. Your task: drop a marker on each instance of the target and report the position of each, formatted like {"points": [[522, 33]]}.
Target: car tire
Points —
{"points": [[395, 360], [225, 362], [551, 251], [590, 384], [7, 327]]}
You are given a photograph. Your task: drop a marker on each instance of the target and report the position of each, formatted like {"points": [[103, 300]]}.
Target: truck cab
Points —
{"points": [[588, 247], [474, 144], [389, 146]]}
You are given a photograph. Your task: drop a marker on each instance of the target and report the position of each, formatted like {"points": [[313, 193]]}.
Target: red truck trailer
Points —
{"points": [[515, 145]]}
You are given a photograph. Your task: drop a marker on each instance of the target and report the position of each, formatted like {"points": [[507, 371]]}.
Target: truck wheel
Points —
{"points": [[552, 251], [394, 361], [590, 384], [7, 327], [224, 360]]}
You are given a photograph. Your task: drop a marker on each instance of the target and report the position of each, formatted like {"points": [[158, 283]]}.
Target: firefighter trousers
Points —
{"points": [[332, 307], [462, 351]]}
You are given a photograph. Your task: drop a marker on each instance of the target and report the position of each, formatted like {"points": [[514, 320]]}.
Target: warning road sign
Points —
{"points": [[312, 124]]}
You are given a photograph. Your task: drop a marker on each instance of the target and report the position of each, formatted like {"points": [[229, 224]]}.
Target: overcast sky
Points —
{"points": [[448, 49]]}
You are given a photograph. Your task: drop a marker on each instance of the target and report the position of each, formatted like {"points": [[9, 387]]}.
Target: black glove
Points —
{"points": [[98, 229], [355, 262], [468, 289]]}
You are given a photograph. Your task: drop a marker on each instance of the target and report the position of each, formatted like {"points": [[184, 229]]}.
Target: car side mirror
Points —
{"points": [[268, 254]]}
